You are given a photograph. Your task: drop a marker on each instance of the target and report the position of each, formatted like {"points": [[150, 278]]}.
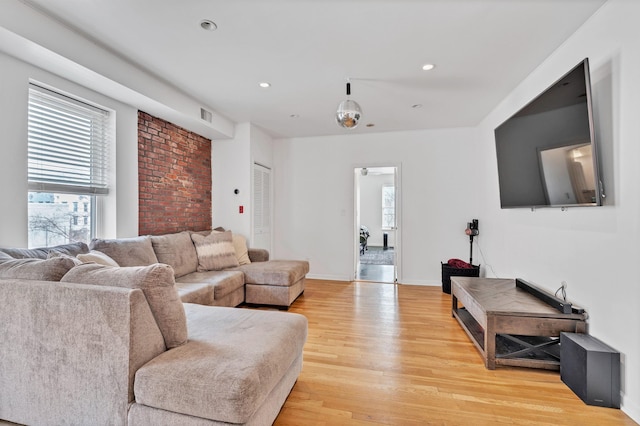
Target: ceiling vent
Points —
{"points": [[206, 115]]}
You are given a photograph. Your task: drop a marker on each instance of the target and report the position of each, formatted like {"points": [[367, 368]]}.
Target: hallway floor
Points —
{"points": [[377, 273]]}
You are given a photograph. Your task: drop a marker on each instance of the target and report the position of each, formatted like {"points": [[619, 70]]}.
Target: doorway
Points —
{"points": [[376, 224]]}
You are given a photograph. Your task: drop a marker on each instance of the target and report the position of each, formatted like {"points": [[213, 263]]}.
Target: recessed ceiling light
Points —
{"points": [[416, 106], [428, 67], [264, 84], [208, 25]]}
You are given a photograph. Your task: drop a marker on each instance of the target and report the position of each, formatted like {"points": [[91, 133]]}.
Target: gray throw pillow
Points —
{"points": [[177, 251], [215, 251], [36, 269], [136, 251], [156, 282], [70, 249]]}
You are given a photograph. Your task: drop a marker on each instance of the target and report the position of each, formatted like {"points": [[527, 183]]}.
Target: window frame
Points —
{"points": [[385, 208], [94, 145]]}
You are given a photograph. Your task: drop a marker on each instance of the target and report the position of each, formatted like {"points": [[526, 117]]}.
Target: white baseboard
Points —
{"points": [[631, 409], [433, 283], [421, 283]]}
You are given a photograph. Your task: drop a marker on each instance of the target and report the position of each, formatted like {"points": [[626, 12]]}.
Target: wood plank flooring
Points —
{"points": [[393, 355]]}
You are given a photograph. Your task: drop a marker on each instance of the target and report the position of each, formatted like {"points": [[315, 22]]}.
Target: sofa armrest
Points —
{"points": [[258, 255], [71, 351]]}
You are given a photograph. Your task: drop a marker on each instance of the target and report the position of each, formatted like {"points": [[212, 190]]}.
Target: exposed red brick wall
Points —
{"points": [[174, 178]]}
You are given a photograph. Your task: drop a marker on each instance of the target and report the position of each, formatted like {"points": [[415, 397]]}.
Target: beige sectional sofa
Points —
{"points": [[90, 344], [257, 280]]}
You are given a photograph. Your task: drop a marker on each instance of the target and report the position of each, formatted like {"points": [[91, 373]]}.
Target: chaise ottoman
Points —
{"points": [[274, 282]]}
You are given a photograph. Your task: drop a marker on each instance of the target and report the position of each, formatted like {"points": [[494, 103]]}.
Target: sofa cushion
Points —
{"points": [[215, 251], [98, 257], [35, 269], [275, 272], [156, 282], [233, 359], [135, 251], [176, 250], [205, 287], [71, 249]]}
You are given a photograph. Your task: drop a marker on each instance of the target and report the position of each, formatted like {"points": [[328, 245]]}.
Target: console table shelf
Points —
{"points": [[509, 326], [471, 326]]}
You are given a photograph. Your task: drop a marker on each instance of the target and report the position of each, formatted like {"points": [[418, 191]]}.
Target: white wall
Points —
{"points": [[371, 207], [594, 249], [232, 161], [122, 203], [261, 147], [314, 216], [231, 169]]}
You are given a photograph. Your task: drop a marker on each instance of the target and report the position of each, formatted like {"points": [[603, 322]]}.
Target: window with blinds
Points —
{"points": [[68, 144]]}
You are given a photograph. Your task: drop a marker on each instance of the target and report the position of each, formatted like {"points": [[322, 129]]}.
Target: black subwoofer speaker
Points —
{"points": [[591, 369]]}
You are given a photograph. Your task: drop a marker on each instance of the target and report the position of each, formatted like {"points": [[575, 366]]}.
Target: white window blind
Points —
{"points": [[68, 144]]}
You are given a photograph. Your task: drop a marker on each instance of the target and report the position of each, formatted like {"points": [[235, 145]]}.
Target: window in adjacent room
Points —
{"points": [[68, 142], [388, 207]]}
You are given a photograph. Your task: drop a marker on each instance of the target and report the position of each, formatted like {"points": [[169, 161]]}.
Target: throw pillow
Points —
{"points": [[97, 257], [70, 249], [240, 247], [206, 232], [53, 254], [36, 269], [156, 282], [215, 251], [177, 251], [136, 251]]}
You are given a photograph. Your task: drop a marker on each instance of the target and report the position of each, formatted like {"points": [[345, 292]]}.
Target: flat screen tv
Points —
{"points": [[547, 152]]}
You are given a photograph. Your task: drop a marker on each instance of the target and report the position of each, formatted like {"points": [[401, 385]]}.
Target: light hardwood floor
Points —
{"points": [[392, 354]]}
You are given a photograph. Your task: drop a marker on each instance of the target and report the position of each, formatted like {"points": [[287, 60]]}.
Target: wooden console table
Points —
{"points": [[495, 310]]}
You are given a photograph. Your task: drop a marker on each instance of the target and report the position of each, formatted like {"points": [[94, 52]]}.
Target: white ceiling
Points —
{"points": [[307, 49]]}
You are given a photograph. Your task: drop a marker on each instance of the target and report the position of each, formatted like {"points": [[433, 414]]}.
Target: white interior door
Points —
{"points": [[261, 237]]}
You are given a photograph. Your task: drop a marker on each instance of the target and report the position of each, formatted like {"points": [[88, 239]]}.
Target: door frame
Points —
{"points": [[397, 249]]}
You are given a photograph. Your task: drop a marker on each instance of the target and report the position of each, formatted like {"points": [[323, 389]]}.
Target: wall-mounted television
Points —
{"points": [[547, 153]]}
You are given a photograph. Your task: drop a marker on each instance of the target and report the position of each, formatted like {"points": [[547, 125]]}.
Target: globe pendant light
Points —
{"points": [[349, 112]]}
